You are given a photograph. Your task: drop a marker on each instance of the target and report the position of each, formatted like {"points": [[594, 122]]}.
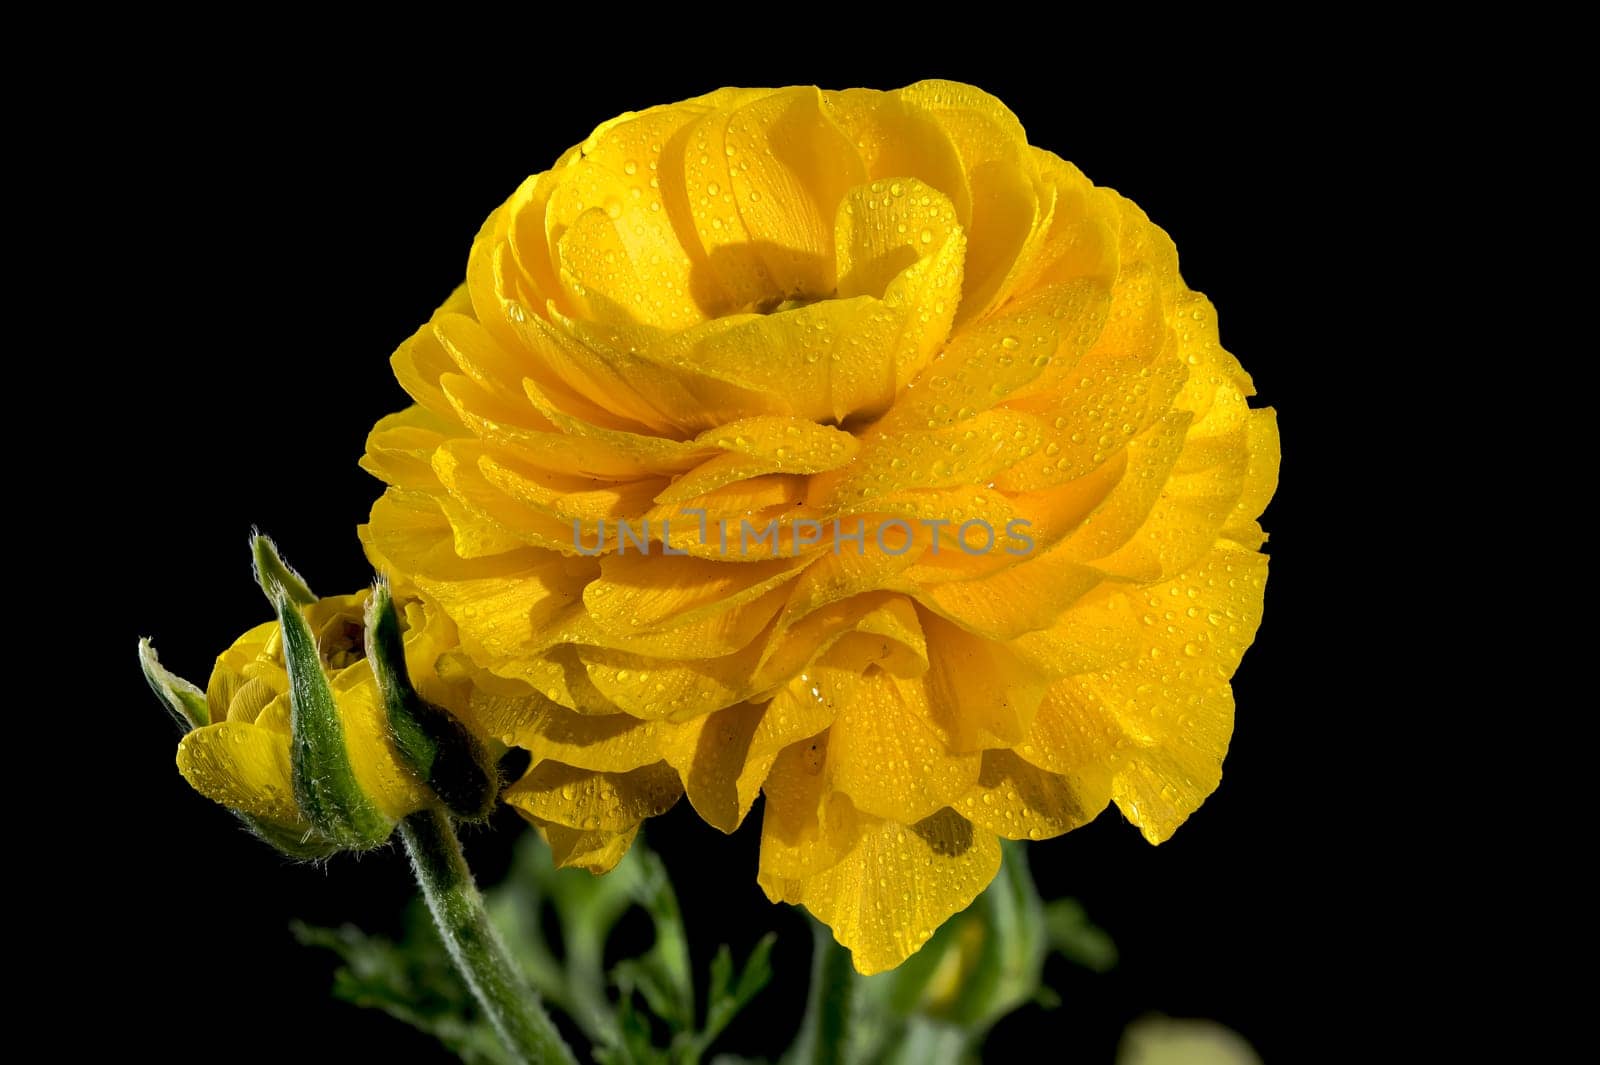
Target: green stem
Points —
{"points": [[827, 1023], [457, 908]]}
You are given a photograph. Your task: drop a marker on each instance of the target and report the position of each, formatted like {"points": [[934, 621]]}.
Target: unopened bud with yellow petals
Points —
{"points": [[292, 732]]}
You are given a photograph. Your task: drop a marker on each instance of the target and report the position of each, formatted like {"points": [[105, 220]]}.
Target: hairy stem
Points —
{"points": [[457, 908]]}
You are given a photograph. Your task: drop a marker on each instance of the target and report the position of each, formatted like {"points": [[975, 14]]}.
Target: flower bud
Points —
{"points": [[293, 734]]}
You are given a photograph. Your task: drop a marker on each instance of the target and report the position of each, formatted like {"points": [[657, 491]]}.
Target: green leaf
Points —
{"points": [[622, 1012], [414, 983], [636, 1045], [662, 974], [727, 996]]}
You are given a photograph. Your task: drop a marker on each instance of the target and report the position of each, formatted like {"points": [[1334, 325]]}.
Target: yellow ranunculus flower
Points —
{"points": [[885, 316], [241, 759]]}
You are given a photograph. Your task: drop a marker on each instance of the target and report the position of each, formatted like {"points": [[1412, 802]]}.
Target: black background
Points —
{"points": [[267, 234]]}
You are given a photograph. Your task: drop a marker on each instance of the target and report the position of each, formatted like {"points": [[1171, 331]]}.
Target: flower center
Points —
{"points": [[341, 642]]}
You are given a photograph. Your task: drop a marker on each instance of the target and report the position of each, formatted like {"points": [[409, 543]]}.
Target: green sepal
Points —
{"points": [[436, 746], [288, 841], [325, 785], [273, 572], [185, 702]]}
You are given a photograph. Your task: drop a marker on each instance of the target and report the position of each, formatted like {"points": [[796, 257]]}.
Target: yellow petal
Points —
{"points": [[805, 827], [643, 594], [898, 139], [251, 698], [568, 444], [1129, 505], [697, 192], [496, 282], [476, 354], [582, 799], [596, 851], [498, 613], [822, 361], [980, 693], [421, 360], [882, 751], [677, 690], [895, 622], [603, 743], [1001, 175], [798, 712], [899, 240], [391, 786], [484, 516], [556, 673], [713, 755], [899, 884], [1040, 336], [1017, 800], [1204, 487], [753, 447], [1021, 598], [885, 227], [788, 166], [224, 684], [714, 473], [1213, 371], [618, 249], [692, 376], [756, 446], [592, 382], [1166, 711], [885, 622], [400, 447], [598, 270], [1260, 479], [750, 498], [408, 532], [844, 571], [706, 636], [523, 232], [567, 498], [1084, 230], [237, 666], [244, 768]]}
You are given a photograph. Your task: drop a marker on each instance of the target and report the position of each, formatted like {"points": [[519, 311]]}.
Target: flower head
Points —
{"points": [[840, 447]]}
